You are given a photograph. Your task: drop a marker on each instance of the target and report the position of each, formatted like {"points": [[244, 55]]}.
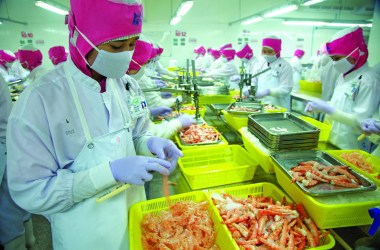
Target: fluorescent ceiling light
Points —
{"points": [[281, 11], [311, 2], [252, 20], [51, 8], [317, 23], [1, 22], [184, 8], [175, 20]]}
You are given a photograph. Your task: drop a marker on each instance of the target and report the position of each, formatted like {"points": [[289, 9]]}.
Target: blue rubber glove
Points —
{"points": [[262, 93], [160, 83], [135, 169], [370, 126], [165, 149], [319, 105], [156, 111], [166, 95], [186, 120]]}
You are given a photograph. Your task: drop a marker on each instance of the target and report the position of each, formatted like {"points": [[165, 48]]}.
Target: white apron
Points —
{"points": [[91, 225], [3, 160], [270, 80]]}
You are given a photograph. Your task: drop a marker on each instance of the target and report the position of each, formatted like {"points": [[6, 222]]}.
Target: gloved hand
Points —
{"points": [[166, 95], [186, 120], [165, 150], [262, 93], [370, 126], [135, 169], [319, 105], [160, 83], [156, 111]]}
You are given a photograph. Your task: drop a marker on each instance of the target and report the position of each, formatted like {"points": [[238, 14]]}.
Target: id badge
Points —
{"points": [[137, 106]]}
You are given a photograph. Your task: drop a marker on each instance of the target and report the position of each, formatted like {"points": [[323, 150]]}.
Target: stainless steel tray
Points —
{"points": [[282, 126], [214, 90], [287, 160], [253, 108]]}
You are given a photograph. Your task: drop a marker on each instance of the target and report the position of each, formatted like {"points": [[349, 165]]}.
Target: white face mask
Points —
{"points": [[343, 65], [224, 59], [113, 65], [244, 60], [270, 58], [139, 74]]}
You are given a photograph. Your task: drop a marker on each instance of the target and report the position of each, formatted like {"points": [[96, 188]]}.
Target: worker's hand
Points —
{"points": [[156, 111], [186, 120], [166, 95], [160, 83], [165, 149], [319, 106], [262, 93], [370, 126], [136, 169]]}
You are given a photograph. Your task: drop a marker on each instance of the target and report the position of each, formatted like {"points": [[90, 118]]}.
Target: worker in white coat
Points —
{"points": [[207, 60], [31, 59], [245, 53], [57, 55], [217, 60], [7, 58], [295, 62], [274, 86], [356, 96], [86, 133], [228, 70], [16, 227], [199, 53]]}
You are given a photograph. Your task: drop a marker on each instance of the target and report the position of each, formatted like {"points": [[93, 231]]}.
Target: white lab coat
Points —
{"points": [[18, 70], [153, 98], [216, 64], [228, 70], [279, 80], [329, 78], [45, 174], [295, 62], [207, 61], [34, 75], [198, 62], [376, 68], [5, 110], [358, 94]]}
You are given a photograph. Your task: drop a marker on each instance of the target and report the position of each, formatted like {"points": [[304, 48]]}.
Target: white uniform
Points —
{"points": [[18, 71], [329, 78], [34, 75], [357, 94], [228, 70], [216, 64], [207, 61], [5, 110], [153, 98], [295, 62], [72, 132], [279, 80], [198, 62]]}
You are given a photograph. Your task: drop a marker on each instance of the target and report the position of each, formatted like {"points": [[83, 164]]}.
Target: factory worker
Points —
{"points": [[136, 70], [16, 227], [207, 60], [356, 96], [245, 53], [328, 75], [228, 69], [295, 62], [84, 127], [199, 53], [7, 58], [31, 59], [17, 69], [275, 85], [217, 60], [57, 54]]}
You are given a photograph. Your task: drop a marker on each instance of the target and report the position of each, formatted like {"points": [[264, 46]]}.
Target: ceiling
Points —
{"points": [[206, 11]]}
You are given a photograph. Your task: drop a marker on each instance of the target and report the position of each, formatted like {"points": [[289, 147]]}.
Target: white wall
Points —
{"points": [[374, 38]]}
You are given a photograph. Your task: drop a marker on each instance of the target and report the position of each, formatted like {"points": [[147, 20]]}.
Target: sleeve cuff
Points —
{"points": [[101, 177]]}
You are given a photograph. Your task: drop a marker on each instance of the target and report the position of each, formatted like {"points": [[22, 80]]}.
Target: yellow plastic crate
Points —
{"points": [[373, 160], [202, 110], [235, 121], [216, 99], [311, 86], [324, 128], [216, 166], [261, 189], [261, 157], [327, 215], [138, 210], [223, 142]]}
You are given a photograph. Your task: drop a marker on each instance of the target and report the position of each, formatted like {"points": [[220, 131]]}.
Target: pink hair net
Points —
{"points": [[153, 53], [246, 52], [273, 43], [229, 53], [299, 53], [200, 50], [101, 21], [346, 41], [225, 46], [30, 57], [57, 54], [141, 55], [6, 57], [160, 50], [215, 53]]}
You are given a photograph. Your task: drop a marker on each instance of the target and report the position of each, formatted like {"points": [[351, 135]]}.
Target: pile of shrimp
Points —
{"points": [[187, 225], [260, 223], [199, 134], [358, 160]]}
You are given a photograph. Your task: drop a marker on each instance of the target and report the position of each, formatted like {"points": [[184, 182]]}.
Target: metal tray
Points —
{"points": [[287, 160], [282, 126], [200, 143], [256, 108]]}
